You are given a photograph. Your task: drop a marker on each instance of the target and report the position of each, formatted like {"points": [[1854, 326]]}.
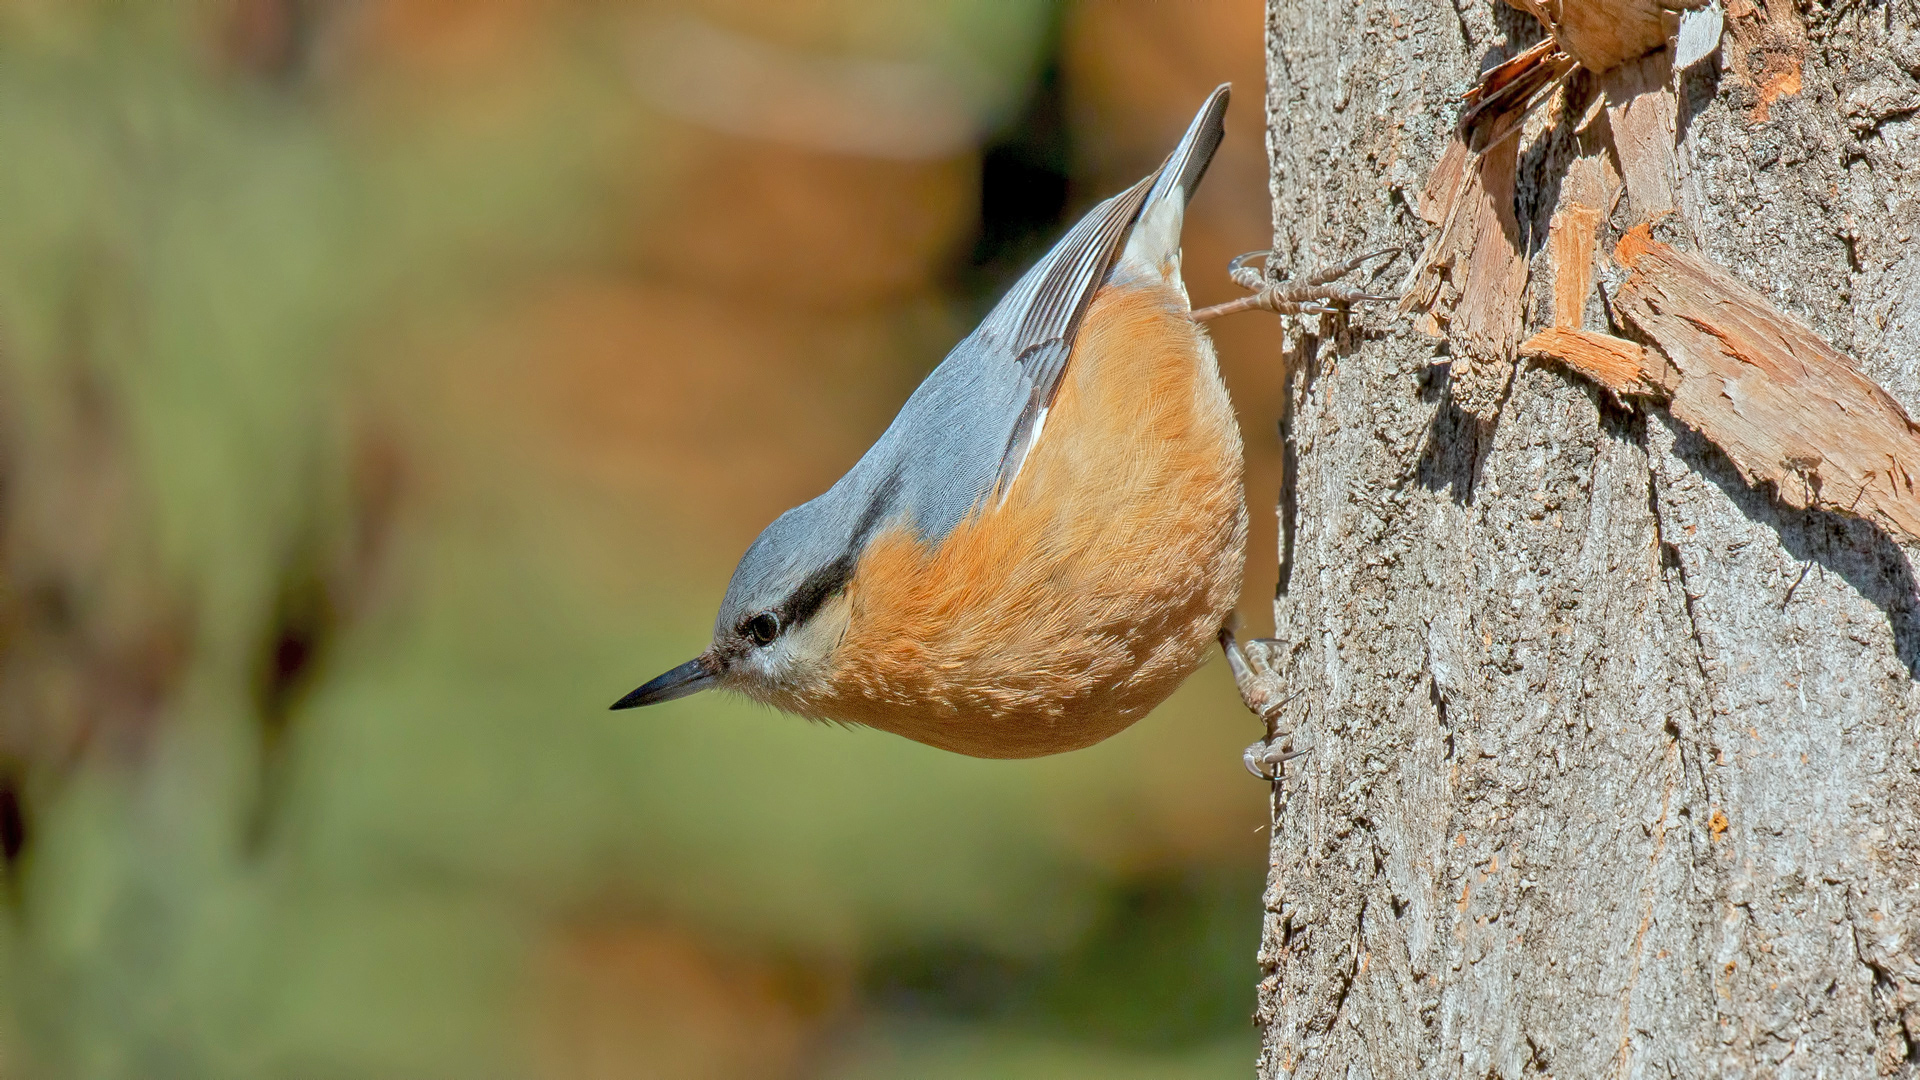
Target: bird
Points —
{"points": [[1049, 537]]}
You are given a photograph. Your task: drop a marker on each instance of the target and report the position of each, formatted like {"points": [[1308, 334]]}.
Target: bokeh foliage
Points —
{"points": [[320, 567]]}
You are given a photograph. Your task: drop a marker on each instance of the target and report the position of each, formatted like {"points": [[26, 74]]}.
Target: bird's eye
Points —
{"points": [[763, 628]]}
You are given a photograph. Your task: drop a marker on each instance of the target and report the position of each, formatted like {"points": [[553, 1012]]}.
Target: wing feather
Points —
{"points": [[964, 433], [1036, 323]]}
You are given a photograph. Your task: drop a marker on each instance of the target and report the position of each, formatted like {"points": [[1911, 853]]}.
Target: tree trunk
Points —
{"points": [[1611, 755]]}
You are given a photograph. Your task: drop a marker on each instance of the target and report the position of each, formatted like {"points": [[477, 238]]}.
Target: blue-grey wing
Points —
{"points": [[1034, 326], [965, 432], [1036, 323]]}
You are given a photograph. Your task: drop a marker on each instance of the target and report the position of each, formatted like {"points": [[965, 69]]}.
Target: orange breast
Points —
{"points": [[1065, 613]]}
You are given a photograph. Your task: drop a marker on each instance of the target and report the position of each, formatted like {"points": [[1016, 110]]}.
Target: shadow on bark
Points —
{"points": [[1860, 552], [1455, 453]]}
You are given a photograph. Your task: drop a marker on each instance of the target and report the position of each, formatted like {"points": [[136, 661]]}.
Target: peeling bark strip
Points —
{"points": [[1601, 34], [1785, 407], [1623, 367], [1640, 114], [1472, 275], [1789, 411], [1803, 421], [1571, 236]]}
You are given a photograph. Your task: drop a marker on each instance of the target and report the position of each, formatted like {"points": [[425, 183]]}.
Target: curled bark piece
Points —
{"points": [[1787, 409], [1444, 184], [1570, 237], [1478, 279], [1515, 86], [1625, 368], [1471, 279], [1472, 275], [1642, 113], [1602, 34]]}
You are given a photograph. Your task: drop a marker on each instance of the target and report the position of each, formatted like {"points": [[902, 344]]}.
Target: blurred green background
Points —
{"points": [[388, 385]]}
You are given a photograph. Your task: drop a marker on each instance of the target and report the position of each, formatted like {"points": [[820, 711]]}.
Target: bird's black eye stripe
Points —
{"points": [[763, 628], [821, 585]]}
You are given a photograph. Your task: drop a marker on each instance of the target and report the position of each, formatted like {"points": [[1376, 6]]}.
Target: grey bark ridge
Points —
{"points": [[1614, 759]]}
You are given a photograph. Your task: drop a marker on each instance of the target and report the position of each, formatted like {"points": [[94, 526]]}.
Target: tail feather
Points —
{"points": [[1153, 247], [1188, 162]]}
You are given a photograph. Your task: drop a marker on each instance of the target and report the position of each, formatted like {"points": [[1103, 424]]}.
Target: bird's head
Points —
{"points": [[784, 614]]}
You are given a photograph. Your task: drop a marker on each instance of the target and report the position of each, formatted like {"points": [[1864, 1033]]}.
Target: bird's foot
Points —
{"points": [[1315, 294], [1260, 691]]}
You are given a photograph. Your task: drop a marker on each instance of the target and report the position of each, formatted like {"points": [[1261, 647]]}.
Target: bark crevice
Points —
{"points": [[1671, 561]]}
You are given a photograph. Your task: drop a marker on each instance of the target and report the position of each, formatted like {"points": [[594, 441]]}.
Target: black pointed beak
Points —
{"points": [[689, 678]]}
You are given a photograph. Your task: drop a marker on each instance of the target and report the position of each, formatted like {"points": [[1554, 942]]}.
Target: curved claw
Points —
{"points": [[1265, 760], [1247, 277], [1242, 259], [1257, 698]]}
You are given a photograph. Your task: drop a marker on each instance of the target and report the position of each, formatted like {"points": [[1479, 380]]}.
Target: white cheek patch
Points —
{"points": [[798, 660], [764, 666]]}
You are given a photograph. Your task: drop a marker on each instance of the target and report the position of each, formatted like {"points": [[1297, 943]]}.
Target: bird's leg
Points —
{"points": [[1315, 294], [1262, 697]]}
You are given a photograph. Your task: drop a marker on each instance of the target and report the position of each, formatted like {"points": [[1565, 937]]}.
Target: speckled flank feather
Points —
{"points": [[1062, 615]]}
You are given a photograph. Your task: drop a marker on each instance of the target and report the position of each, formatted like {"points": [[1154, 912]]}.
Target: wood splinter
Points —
{"points": [[1789, 411]]}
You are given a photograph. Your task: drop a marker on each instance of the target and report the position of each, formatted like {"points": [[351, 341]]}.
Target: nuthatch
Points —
{"points": [[1048, 538]]}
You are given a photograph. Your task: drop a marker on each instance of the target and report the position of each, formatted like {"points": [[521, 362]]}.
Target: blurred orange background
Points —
{"points": [[390, 384]]}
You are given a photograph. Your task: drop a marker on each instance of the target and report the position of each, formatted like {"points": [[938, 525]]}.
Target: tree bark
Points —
{"points": [[1612, 758]]}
